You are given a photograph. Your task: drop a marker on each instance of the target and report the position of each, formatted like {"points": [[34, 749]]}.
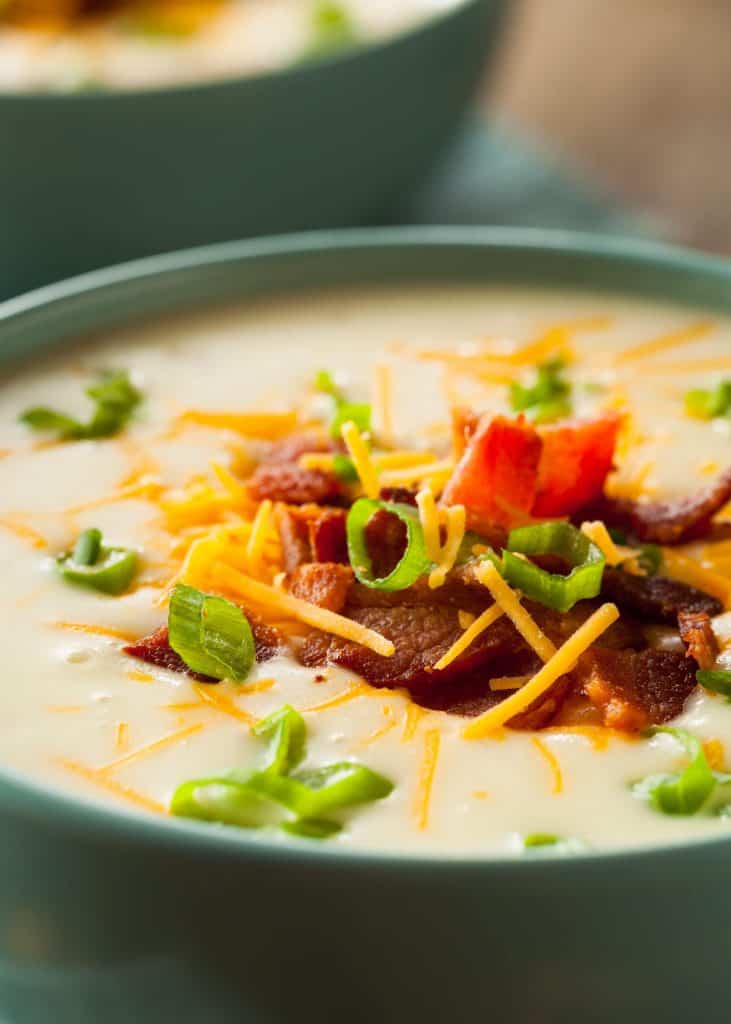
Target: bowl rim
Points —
{"points": [[32, 799], [423, 27]]}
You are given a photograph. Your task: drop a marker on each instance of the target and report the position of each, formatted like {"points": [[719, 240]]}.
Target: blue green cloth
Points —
{"points": [[492, 175]]}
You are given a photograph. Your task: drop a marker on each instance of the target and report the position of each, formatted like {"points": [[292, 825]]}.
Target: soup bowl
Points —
{"points": [[113, 917], [90, 178]]}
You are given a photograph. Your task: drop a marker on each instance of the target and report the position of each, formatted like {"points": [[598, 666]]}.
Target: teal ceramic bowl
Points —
{"points": [[108, 918], [93, 178]]}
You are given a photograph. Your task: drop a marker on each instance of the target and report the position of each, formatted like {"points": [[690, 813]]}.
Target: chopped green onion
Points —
{"points": [[312, 828], [226, 801], [210, 634], [115, 400], [718, 680], [275, 796], [92, 564], [344, 468], [324, 382], [287, 731], [548, 398], [685, 792], [650, 558], [332, 29], [414, 562], [552, 589], [358, 412], [708, 404], [547, 840]]}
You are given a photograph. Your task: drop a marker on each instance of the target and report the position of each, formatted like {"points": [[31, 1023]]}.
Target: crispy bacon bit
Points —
{"points": [[511, 472], [385, 537], [399, 495], [656, 598], [310, 533], [634, 690], [289, 483], [496, 477], [327, 536], [290, 449], [322, 583], [421, 635], [155, 649], [668, 522], [698, 636], [576, 460]]}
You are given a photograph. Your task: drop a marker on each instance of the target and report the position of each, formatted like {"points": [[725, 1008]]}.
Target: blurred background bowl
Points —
{"points": [[91, 178]]}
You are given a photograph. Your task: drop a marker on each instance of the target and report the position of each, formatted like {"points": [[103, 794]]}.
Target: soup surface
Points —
{"points": [[205, 480], [88, 44]]}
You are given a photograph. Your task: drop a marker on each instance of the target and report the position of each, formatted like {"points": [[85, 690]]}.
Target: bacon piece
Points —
{"points": [[576, 459], [511, 473], [310, 533], [421, 635], [398, 495], [322, 583], [698, 636], [635, 690], [155, 649], [668, 522], [294, 535], [289, 483], [291, 448], [496, 478], [656, 598]]}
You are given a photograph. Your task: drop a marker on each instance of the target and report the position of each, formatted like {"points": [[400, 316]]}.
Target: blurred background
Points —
{"points": [[633, 94]]}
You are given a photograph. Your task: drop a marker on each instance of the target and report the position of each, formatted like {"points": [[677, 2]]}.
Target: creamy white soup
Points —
{"points": [[371, 380], [86, 44]]}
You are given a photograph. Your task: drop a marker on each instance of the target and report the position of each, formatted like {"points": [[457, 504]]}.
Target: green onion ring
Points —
{"points": [[414, 562]]}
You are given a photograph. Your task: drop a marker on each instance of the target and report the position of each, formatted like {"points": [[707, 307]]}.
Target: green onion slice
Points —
{"points": [[345, 468], [287, 731], [324, 382], [708, 404], [682, 793], [414, 562], [552, 589], [210, 634], [115, 399], [547, 840], [548, 398], [718, 680], [358, 412], [92, 564], [332, 29], [298, 802]]}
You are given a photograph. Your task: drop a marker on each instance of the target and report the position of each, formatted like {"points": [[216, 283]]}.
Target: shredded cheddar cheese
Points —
{"points": [[24, 532], [116, 788], [426, 470], [150, 748], [262, 426], [422, 800], [352, 693], [507, 599], [213, 696], [456, 519], [259, 532], [508, 682], [361, 457], [553, 764], [615, 554], [312, 614], [684, 335], [562, 662], [110, 632], [480, 624], [465, 619]]}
